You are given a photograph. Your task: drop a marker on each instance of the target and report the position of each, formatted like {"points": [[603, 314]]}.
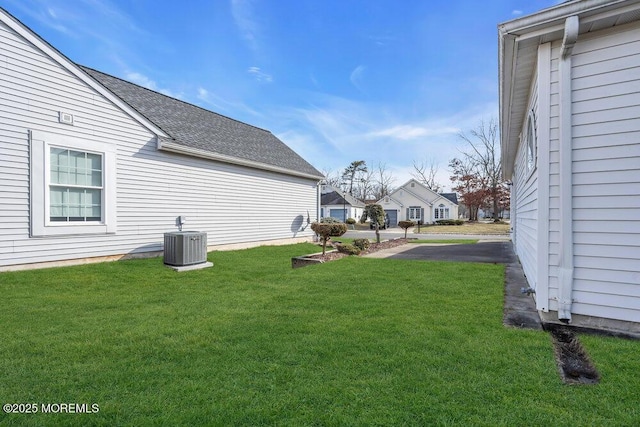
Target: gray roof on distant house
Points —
{"points": [[335, 198], [195, 128], [452, 197]]}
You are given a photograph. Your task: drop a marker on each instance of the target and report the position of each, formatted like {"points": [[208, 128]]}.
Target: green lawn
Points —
{"points": [[252, 341]]}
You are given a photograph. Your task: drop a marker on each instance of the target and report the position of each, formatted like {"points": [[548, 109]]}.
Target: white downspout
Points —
{"points": [[566, 180]]}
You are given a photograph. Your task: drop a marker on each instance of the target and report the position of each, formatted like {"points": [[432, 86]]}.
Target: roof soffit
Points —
{"points": [[518, 41]]}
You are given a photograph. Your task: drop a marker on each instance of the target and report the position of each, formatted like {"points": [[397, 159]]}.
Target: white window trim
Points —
{"points": [[418, 212], [41, 226], [441, 211]]}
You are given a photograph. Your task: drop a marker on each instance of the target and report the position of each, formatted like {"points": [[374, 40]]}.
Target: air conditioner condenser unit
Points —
{"points": [[183, 248]]}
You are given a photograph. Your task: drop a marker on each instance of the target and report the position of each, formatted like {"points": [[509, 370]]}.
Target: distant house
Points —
{"points": [[93, 166], [416, 202], [570, 134], [339, 205]]}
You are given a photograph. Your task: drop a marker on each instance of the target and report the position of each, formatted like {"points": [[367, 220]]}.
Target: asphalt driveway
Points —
{"points": [[491, 252]]}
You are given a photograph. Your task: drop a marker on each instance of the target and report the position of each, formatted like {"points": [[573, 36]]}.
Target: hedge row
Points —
{"points": [[449, 222]]}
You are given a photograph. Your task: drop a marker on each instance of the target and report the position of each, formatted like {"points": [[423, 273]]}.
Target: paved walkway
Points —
{"points": [[519, 308]]}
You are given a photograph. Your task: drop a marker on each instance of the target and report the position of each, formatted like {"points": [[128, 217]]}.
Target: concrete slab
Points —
{"points": [[190, 267]]}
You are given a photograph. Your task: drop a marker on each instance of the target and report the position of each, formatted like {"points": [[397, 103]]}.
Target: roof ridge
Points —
{"points": [[173, 98]]}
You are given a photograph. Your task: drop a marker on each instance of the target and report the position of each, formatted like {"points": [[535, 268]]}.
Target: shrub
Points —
{"points": [[348, 249], [330, 220], [376, 215], [350, 221], [326, 230], [449, 222], [406, 225], [362, 244]]}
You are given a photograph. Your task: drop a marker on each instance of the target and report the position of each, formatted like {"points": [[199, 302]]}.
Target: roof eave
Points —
{"points": [[174, 147], [545, 23]]}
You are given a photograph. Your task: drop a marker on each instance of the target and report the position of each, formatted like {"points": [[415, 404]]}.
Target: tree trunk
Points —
{"points": [[495, 204]]}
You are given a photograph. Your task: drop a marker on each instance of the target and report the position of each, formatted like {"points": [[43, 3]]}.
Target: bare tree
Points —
{"points": [[383, 182], [363, 185], [484, 154], [426, 172], [332, 178]]}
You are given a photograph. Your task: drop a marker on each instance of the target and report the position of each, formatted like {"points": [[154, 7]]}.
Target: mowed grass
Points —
{"points": [[253, 342]]}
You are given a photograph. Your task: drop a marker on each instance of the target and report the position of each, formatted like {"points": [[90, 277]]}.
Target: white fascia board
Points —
{"points": [[548, 22], [545, 20], [195, 152], [74, 69]]}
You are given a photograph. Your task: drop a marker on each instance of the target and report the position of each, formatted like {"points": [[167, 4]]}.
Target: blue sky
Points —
{"points": [[385, 81]]}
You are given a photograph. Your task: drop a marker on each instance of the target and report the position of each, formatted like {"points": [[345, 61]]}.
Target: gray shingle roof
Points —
{"points": [[452, 197], [194, 127], [334, 198]]}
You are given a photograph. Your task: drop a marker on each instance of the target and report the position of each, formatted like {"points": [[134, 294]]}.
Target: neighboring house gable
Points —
{"points": [[415, 201], [83, 176], [570, 127]]}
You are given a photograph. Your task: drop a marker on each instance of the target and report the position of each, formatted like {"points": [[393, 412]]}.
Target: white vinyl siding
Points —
{"points": [[233, 204], [525, 198], [606, 178]]}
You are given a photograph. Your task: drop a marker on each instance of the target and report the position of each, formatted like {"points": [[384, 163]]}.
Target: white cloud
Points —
{"points": [[244, 18], [141, 80], [224, 106], [407, 132], [332, 132], [144, 81], [356, 77], [516, 12], [259, 75]]}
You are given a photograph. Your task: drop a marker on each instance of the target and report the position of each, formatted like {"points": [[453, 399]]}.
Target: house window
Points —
{"points": [[441, 212], [75, 192], [532, 142], [414, 213], [73, 186]]}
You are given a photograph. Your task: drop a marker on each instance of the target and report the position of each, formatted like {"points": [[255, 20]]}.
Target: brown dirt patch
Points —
{"points": [[574, 364]]}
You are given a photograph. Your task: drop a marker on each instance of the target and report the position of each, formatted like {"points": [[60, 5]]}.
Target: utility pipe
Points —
{"points": [[565, 290]]}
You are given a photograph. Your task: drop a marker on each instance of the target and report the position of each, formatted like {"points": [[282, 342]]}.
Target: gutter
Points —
{"points": [[565, 264]]}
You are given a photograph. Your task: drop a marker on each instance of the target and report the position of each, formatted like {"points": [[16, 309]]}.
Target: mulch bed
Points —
{"points": [[374, 247]]}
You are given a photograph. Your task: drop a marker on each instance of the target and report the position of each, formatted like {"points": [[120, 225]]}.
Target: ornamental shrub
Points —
{"points": [[449, 222], [376, 214], [348, 249], [329, 220], [405, 225], [350, 221], [328, 230], [362, 244]]}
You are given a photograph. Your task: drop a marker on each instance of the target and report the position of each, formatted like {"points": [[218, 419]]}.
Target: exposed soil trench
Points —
{"points": [[574, 364]]}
